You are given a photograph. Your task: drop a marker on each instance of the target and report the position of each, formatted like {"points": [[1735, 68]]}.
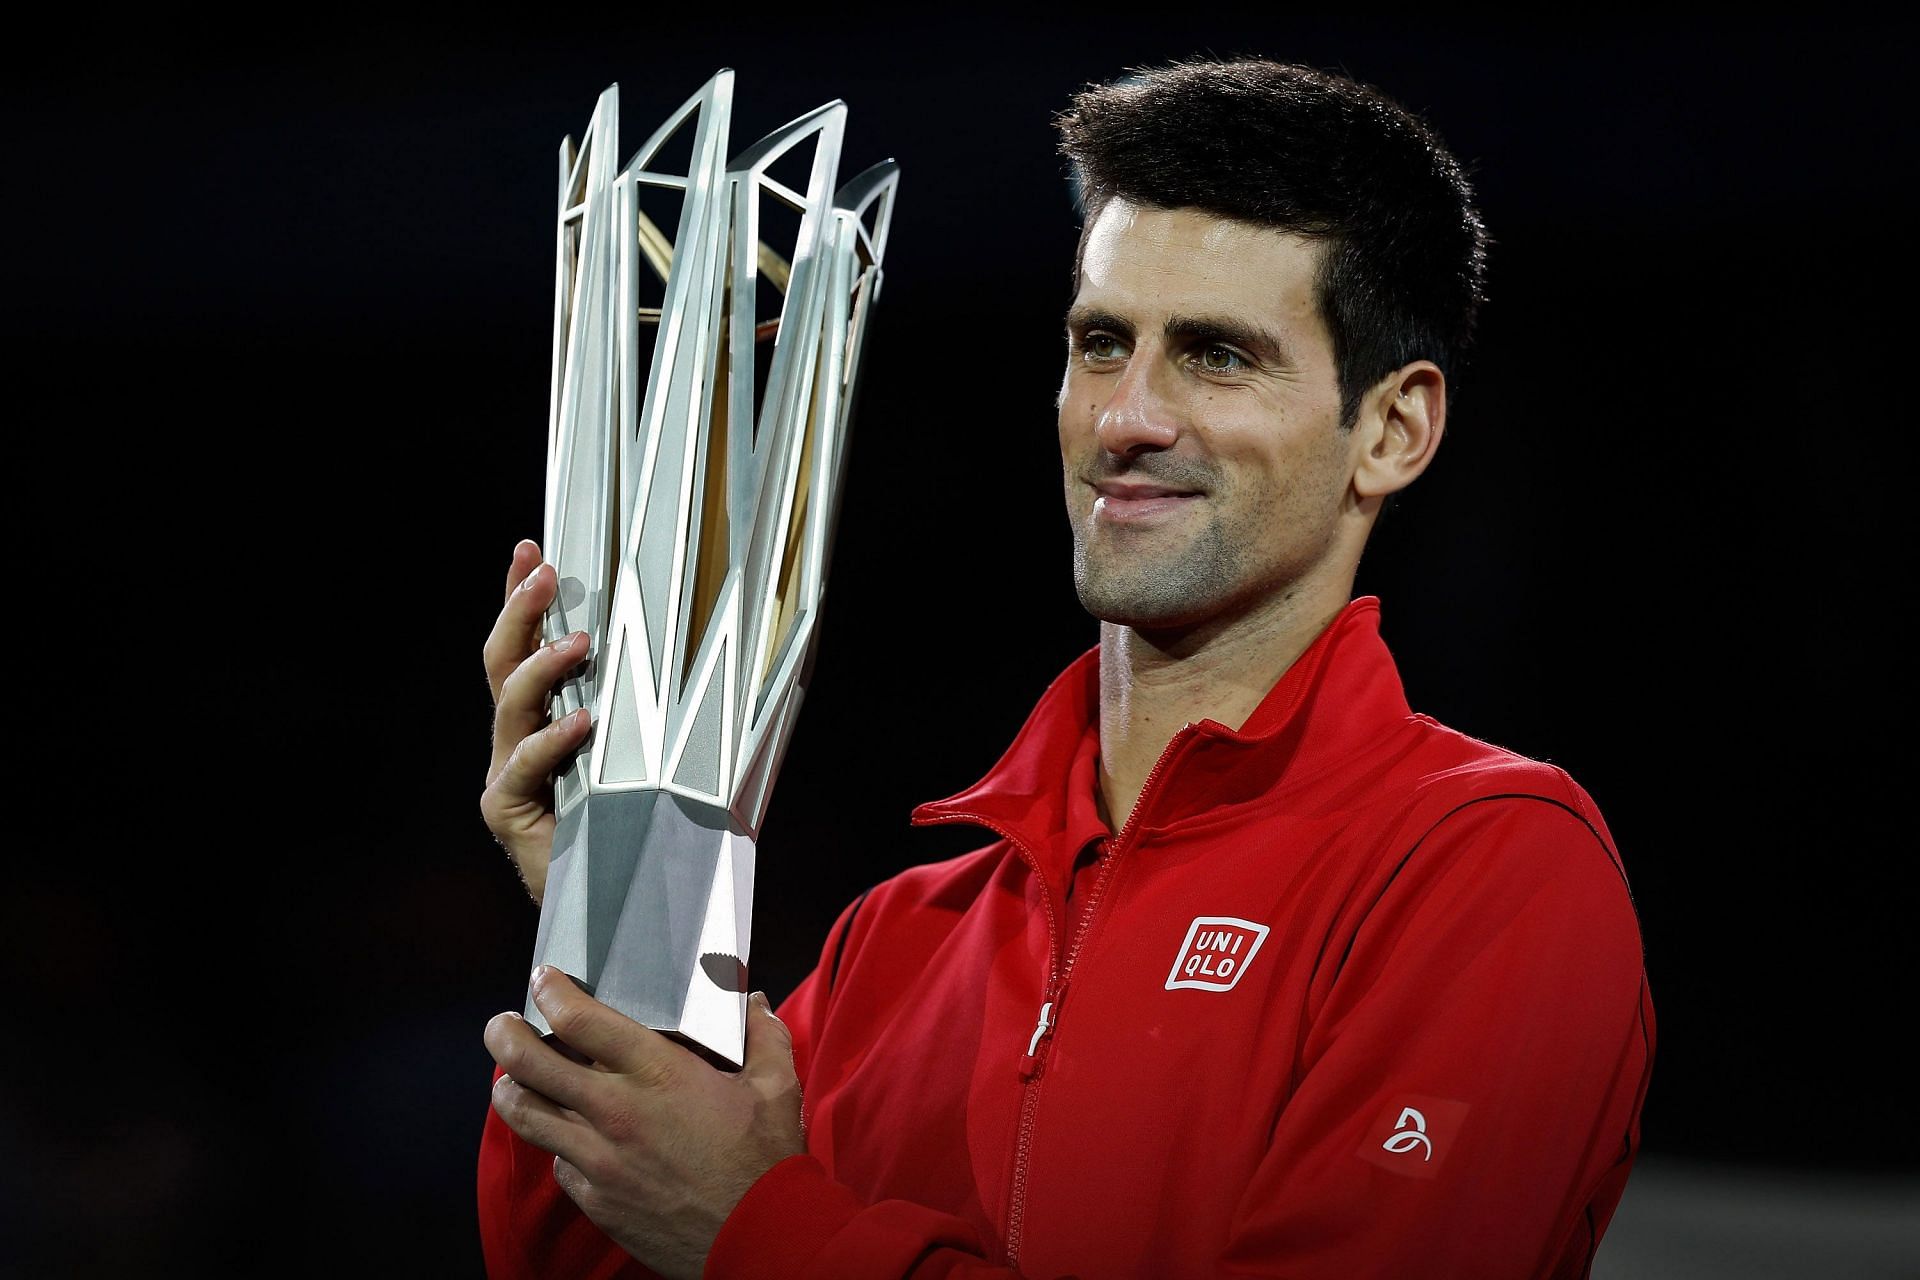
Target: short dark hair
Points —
{"points": [[1316, 154]]}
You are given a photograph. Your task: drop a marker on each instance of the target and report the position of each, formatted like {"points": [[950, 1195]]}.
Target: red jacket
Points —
{"points": [[1350, 995]]}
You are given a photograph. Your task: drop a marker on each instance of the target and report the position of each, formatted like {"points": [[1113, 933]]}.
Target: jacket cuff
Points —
{"points": [[783, 1222]]}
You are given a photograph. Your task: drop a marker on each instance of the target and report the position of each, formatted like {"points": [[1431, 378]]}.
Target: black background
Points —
{"points": [[278, 325]]}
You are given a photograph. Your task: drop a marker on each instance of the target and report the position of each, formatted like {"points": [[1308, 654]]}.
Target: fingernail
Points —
{"points": [[527, 581], [760, 998]]}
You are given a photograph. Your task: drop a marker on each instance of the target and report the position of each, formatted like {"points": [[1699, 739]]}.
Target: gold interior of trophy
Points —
{"points": [[787, 585], [713, 554]]}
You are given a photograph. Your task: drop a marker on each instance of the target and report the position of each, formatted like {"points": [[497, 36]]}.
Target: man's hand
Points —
{"points": [[654, 1145], [518, 801]]}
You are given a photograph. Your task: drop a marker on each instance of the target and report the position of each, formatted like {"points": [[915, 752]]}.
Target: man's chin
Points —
{"points": [[1139, 606]]}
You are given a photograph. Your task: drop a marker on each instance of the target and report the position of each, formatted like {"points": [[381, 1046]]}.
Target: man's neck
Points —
{"points": [[1153, 683]]}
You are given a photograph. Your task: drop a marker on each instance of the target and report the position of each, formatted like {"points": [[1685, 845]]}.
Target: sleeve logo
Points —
{"points": [[1407, 1138], [1412, 1133], [1216, 953]]}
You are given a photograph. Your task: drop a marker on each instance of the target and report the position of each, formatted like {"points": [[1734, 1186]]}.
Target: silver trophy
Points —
{"points": [[704, 361]]}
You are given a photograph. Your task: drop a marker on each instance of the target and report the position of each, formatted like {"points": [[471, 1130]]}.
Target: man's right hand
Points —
{"points": [[518, 801]]}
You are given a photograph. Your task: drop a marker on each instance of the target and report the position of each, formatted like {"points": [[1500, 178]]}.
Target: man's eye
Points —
{"points": [[1102, 346], [1220, 359]]}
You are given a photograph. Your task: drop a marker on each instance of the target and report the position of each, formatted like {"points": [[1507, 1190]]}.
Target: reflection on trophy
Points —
{"points": [[708, 323]]}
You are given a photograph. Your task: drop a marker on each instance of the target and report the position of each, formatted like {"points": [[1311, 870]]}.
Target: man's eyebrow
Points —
{"points": [[1085, 319], [1251, 338]]}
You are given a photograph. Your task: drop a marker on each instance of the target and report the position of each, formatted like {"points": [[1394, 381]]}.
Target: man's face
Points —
{"points": [[1205, 469]]}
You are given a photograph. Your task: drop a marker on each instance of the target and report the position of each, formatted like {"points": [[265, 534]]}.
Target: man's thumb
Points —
{"points": [[769, 1043]]}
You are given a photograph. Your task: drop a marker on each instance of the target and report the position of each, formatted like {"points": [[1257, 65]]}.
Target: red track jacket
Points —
{"points": [[1350, 995]]}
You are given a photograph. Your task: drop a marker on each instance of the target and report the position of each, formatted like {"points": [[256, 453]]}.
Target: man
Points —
{"points": [[1264, 973]]}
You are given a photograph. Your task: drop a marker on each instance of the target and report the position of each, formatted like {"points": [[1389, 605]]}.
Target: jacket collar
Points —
{"points": [[1338, 698]]}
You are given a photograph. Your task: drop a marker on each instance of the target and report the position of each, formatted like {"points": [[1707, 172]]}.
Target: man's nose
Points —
{"points": [[1138, 415]]}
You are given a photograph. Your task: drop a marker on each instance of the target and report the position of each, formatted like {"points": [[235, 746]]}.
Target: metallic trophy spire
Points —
{"points": [[703, 375]]}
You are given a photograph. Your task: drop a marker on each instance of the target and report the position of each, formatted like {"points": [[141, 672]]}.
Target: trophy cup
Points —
{"points": [[703, 375]]}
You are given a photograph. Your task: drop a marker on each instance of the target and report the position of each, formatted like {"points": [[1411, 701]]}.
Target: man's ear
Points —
{"points": [[1398, 429]]}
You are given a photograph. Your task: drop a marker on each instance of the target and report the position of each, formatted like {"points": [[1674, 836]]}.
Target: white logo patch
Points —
{"points": [[1217, 951]]}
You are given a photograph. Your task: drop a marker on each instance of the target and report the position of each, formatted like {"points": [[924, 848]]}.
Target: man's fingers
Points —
{"points": [[541, 1121], [611, 1039], [572, 1181], [536, 1118], [520, 703], [769, 1043], [520, 780], [517, 630], [529, 1060], [526, 558]]}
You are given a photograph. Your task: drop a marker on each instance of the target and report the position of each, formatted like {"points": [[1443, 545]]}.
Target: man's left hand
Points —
{"points": [[654, 1145]]}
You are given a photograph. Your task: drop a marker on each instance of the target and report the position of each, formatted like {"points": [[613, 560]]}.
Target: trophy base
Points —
{"points": [[652, 920]]}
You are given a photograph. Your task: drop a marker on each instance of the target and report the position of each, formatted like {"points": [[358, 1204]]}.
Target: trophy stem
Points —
{"points": [[648, 900]]}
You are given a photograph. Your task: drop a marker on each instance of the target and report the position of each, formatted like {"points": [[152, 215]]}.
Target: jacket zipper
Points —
{"points": [[1030, 1063], [1055, 996]]}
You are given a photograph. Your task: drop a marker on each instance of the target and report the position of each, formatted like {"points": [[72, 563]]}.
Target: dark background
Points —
{"points": [[278, 326]]}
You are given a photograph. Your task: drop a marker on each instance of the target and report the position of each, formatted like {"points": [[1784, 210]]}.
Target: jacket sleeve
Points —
{"points": [[797, 1223], [1466, 1104], [1467, 1100]]}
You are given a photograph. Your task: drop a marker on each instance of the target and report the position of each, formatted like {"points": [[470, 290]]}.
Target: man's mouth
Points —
{"points": [[1130, 501]]}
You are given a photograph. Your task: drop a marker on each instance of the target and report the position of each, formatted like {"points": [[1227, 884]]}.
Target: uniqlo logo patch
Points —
{"points": [[1217, 951], [1413, 1134]]}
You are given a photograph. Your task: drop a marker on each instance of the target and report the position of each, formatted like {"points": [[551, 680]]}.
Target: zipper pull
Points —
{"points": [[1042, 1028]]}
